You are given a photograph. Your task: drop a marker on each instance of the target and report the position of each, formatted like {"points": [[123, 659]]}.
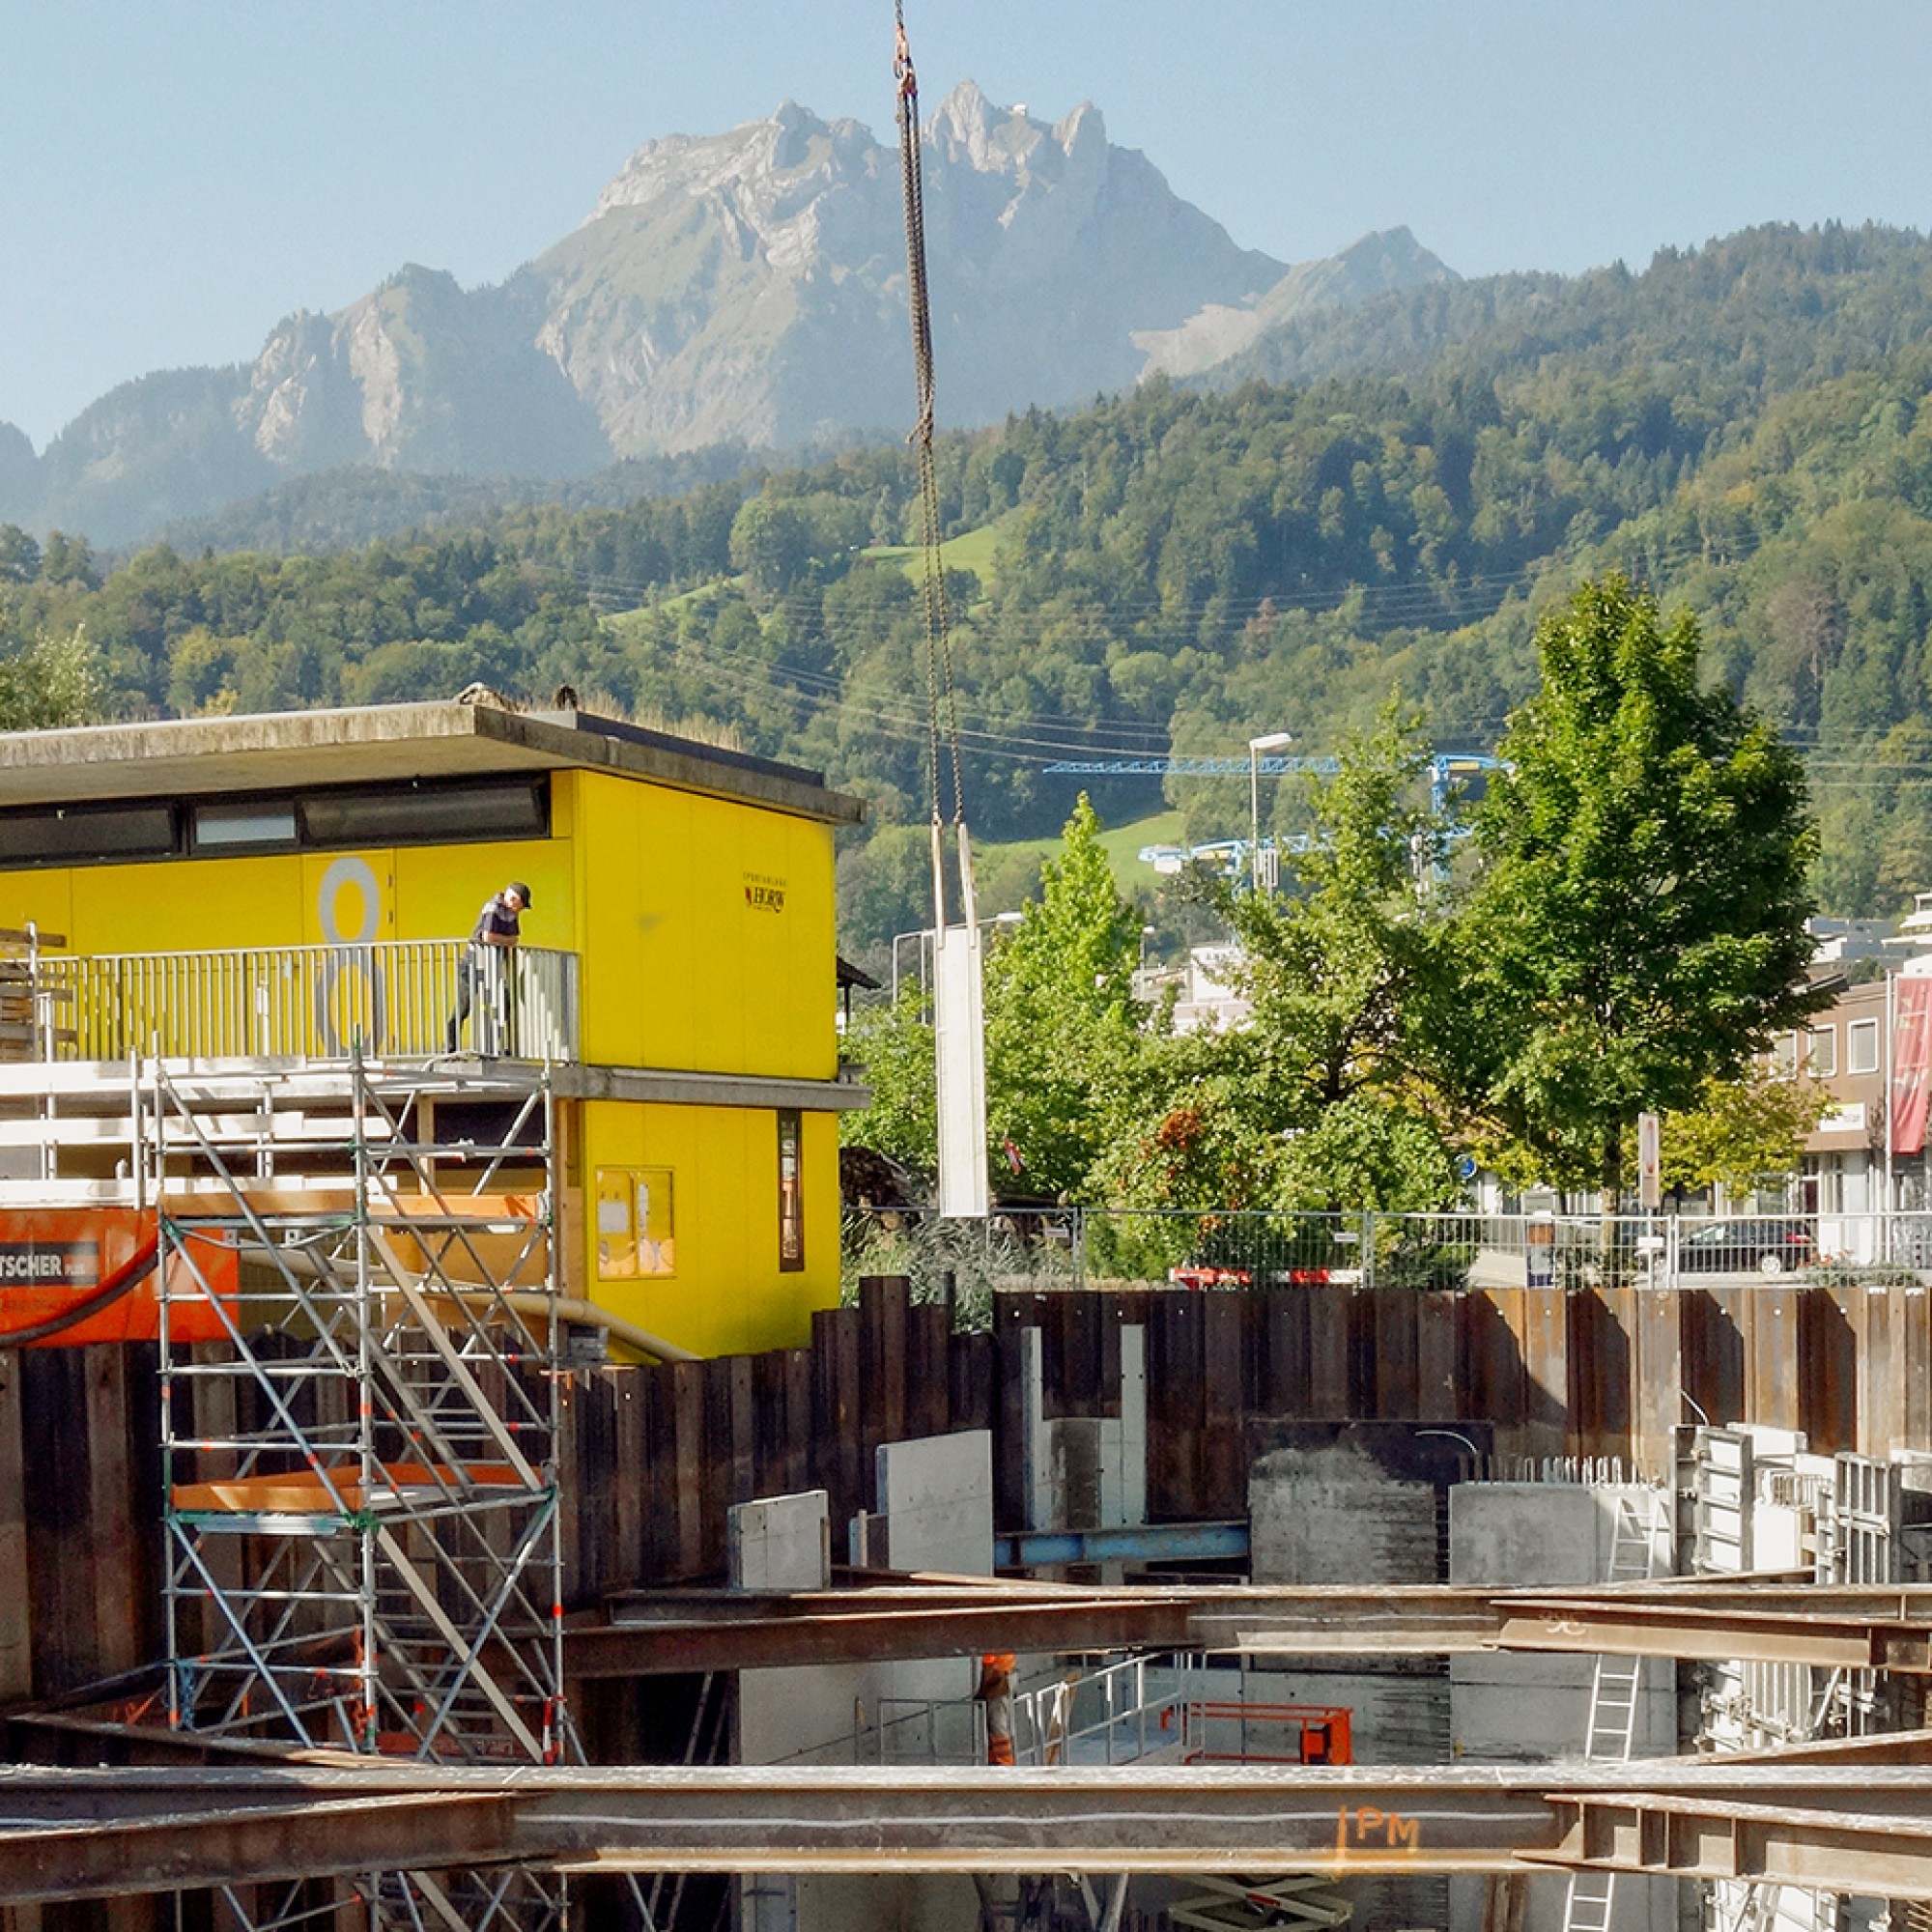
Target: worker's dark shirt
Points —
{"points": [[496, 921]]}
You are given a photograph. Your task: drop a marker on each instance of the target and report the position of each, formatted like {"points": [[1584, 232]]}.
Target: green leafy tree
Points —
{"points": [[1324, 1097], [54, 680], [1063, 1027], [1062, 1032], [891, 1042], [1740, 1131], [772, 545], [1637, 926]]}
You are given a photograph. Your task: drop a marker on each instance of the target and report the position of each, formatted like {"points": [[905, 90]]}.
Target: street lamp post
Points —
{"points": [[1273, 741]]}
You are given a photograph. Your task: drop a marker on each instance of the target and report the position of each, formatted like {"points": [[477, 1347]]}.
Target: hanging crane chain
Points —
{"points": [[939, 686]]}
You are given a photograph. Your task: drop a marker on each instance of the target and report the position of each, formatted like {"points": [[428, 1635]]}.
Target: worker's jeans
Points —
{"points": [[483, 982]]}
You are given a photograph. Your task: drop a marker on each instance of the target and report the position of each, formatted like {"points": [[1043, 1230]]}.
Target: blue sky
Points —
{"points": [[180, 174]]}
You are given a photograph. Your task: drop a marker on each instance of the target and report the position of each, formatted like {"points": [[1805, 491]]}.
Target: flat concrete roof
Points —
{"points": [[284, 751]]}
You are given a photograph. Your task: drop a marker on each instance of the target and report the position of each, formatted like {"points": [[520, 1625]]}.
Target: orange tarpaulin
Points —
{"points": [[69, 1276]]}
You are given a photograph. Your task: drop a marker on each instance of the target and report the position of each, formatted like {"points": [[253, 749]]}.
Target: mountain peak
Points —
{"points": [[746, 286], [1374, 263]]}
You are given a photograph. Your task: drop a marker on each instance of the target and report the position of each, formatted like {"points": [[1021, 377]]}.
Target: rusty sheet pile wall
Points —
{"points": [[652, 1456]]}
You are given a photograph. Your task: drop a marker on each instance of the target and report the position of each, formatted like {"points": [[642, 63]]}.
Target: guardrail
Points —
{"points": [[1211, 1249], [400, 999]]}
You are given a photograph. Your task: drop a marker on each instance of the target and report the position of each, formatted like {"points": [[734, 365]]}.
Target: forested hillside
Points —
{"points": [[1743, 427]]}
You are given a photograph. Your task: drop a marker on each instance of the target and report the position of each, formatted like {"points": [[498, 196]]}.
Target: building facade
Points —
{"points": [[288, 890]]}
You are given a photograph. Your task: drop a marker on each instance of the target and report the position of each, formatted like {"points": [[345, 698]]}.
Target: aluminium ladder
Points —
{"points": [[1615, 1689]]}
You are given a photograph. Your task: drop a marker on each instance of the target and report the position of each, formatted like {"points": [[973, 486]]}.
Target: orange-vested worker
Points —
{"points": [[996, 1692]]}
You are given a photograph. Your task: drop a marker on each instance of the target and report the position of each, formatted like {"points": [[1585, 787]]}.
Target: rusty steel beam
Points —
{"points": [[70, 1833], [650, 1634]]}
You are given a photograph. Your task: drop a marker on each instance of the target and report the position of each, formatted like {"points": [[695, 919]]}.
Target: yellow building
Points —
{"points": [[281, 890]]}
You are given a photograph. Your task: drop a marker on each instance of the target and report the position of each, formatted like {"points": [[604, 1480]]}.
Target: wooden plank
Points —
{"points": [[1598, 1350], [1326, 1312], [60, 1542], [1496, 1380], [1914, 1349], [1879, 1382], [928, 1405], [970, 1360], [1279, 1386], [883, 1304], [1658, 1376], [1437, 1356], [1545, 1357], [1013, 1315], [586, 1528], [629, 1482], [1173, 1398], [768, 1421], [658, 1502], [1827, 1370], [17, 1658], [1392, 1312], [798, 1420], [1222, 1485], [687, 1472], [838, 1465]]}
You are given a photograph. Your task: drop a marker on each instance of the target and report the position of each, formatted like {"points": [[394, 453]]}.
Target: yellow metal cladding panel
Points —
{"points": [[728, 1295], [43, 898], [294, 899], [183, 906], [440, 889], [708, 933]]}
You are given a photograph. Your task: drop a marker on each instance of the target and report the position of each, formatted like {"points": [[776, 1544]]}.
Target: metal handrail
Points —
{"points": [[403, 999]]}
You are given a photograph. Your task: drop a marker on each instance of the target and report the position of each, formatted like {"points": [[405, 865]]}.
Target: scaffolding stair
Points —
{"points": [[361, 1494]]}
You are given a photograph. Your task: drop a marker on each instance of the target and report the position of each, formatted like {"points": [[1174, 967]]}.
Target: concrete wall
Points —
{"points": [[1523, 1709], [1334, 1515]]}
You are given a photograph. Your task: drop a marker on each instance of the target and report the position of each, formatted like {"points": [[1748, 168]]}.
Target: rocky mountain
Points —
{"points": [[739, 288], [1378, 265]]}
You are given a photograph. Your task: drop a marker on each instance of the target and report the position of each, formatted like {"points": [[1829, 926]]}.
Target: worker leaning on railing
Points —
{"points": [[498, 928]]}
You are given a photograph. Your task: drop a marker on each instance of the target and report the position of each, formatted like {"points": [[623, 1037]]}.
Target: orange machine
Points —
{"points": [[75, 1275]]}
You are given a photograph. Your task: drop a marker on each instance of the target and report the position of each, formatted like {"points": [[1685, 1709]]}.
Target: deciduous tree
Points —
{"points": [[1637, 925]]}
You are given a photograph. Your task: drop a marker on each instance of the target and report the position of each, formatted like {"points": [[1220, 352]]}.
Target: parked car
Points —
{"points": [[1740, 1247]]}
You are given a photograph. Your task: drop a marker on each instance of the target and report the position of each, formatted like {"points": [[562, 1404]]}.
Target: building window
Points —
{"points": [[70, 835], [1824, 1055], [637, 1229], [1784, 1057], [236, 825], [1861, 1047], [791, 1193]]}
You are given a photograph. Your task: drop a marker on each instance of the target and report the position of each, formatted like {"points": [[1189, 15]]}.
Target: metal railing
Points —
{"points": [[1074, 1247], [1114, 1715], [405, 999]]}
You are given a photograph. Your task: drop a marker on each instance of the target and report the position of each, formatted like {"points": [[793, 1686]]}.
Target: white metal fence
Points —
{"points": [[1074, 1247], [1115, 1713], [401, 999]]}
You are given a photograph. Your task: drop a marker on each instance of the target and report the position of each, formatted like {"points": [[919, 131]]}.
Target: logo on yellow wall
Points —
{"points": [[763, 892]]}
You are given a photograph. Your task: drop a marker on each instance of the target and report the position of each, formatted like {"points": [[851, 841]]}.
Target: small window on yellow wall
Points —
{"points": [[636, 1225], [791, 1193]]}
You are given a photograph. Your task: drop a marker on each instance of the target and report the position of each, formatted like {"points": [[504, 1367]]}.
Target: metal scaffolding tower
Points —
{"points": [[361, 1484]]}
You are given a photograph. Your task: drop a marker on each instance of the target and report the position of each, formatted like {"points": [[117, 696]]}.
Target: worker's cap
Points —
{"points": [[521, 891]]}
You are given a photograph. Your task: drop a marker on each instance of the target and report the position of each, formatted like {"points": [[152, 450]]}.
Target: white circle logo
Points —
{"points": [[349, 996], [349, 870]]}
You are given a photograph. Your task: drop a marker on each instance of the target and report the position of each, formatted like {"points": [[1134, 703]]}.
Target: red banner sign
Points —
{"points": [[1911, 1064]]}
